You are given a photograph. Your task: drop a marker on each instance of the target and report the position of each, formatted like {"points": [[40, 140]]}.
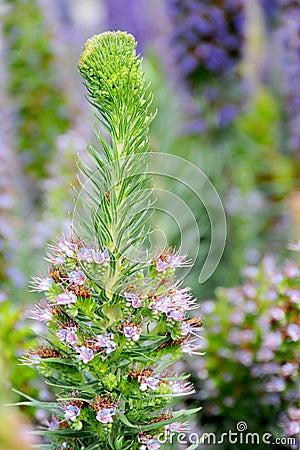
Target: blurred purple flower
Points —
{"points": [[85, 354], [71, 412]]}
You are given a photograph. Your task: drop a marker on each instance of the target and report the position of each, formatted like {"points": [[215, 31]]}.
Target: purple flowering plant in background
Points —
{"points": [[252, 360], [288, 37], [207, 41]]}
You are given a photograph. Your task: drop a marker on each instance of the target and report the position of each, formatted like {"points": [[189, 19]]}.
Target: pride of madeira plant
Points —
{"points": [[116, 321]]}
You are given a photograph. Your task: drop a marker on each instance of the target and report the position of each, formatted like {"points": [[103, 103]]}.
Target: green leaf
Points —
{"points": [[193, 447], [124, 420], [65, 433], [40, 405], [43, 446]]}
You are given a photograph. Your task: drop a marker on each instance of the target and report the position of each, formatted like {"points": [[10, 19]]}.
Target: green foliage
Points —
{"points": [[248, 169], [113, 186], [15, 338]]}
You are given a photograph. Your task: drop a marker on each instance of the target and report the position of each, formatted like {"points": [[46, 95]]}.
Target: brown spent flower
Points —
{"points": [[45, 352], [194, 321], [57, 275], [81, 291], [170, 343], [75, 402], [137, 374], [161, 418], [99, 403]]}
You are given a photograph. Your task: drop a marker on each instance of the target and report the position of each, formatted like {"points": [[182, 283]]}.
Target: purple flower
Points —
{"points": [[292, 270], [237, 317], [189, 327], [105, 415], [134, 16], [77, 277], [192, 347], [85, 354], [177, 427], [277, 313], [61, 334], [249, 290], [175, 314], [174, 303], [289, 369], [181, 387], [250, 272], [132, 300], [237, 336], [235, 296], [68, 248], [42, 312], [227, 114], [275, 385], [106, 342], [293, 331], [41, 284], [68, 335], [292, 428], [271, 368], [208, 307], [66, 298], [151, 383], [101, 257], [53, 424], [208, 37], [291, 421], [169, 260], [265, 354], [149, 443], [272, 340], [132, 331], [294, 295], [294, 413], [55, 259], [71, 412], [85, 254], [243, 356], [289, 47]]}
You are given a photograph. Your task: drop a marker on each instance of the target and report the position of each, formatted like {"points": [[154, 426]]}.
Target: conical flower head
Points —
{"points": [[110, 66]]}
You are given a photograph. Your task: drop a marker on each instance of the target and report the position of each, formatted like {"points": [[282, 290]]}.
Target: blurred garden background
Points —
{"points": [[226, 81]]}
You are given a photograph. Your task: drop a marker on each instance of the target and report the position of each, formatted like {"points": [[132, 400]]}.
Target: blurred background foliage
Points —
{"points": [[225, 76]]}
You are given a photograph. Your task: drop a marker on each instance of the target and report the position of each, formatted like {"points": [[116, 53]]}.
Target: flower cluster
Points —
{"points": [[207, 34], [253, 334], [151, 318], [288, 38]]}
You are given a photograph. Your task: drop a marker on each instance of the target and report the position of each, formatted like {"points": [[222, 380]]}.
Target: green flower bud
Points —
{"points": [[77, 425], [110, 66], [110, 382]]}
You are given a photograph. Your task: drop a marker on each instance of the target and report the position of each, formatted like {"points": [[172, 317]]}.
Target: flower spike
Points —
{"points": [[116, 323]]}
